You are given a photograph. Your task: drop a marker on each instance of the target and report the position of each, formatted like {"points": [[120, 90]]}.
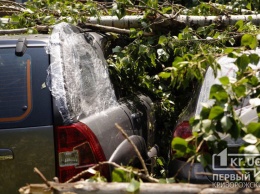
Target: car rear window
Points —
{"points": [[15, 86], [25, 101]]}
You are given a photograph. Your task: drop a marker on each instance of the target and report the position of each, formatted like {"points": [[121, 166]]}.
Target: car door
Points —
{"points": [[26, 130]]}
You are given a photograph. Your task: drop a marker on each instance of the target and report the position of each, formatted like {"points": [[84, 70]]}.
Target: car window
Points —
{"points": [[15, 87], [25, 101]]}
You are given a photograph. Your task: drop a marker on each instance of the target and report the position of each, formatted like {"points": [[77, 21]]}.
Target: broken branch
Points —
{"points": [[135, 148]]}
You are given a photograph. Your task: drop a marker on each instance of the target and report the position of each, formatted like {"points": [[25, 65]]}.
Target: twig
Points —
{"points": [[17, 9], [14, 31], [41, 29], [141, 175], [148, 7], [239, 173], [199, 146], [191, 166], [42, 177], [12, 3], [135, 148], [205, 173], [187, 162], [109, 29]]}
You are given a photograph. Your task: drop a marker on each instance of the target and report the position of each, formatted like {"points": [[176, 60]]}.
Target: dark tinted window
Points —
{"points": [[24, 99], [15, 86]]}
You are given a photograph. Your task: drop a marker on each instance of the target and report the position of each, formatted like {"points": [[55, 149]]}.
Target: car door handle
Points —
{"points": [[6, 154]]}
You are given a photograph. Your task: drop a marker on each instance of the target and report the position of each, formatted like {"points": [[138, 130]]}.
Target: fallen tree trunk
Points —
{"points": [[82, 187], [134, 21]]}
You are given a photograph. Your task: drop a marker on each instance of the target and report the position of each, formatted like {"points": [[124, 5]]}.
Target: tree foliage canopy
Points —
{"points": [[167, 58]]}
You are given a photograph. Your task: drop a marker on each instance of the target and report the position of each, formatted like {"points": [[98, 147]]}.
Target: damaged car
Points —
{"points": [[58, 109]]}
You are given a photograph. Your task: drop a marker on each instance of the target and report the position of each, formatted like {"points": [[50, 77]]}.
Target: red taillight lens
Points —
{"points": [[183, 130], [77, 149]]}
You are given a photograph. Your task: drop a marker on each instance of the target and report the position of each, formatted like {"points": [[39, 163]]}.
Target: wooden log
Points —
{"points": [[36, 188], [82, 187]]}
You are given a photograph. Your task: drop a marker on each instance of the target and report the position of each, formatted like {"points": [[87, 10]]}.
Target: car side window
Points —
{"points": [[15, 87]]}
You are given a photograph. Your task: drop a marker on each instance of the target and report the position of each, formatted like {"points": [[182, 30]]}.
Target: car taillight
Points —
{"points": [[77, 149], [183, 130]]}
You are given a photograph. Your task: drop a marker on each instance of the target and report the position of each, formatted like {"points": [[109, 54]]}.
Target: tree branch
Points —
{"points": [[141, 175], [109, 29], [42, 177], [14, 31], [133, 21], [135, 148]]}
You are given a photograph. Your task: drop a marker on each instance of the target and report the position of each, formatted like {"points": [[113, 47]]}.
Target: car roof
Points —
{"points": [[32, 40]]}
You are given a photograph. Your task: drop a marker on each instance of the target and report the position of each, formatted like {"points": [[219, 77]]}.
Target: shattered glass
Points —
{"points": [[77, 76]]}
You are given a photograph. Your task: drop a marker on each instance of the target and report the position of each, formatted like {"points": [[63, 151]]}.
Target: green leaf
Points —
{"points": [[117, 49], [240, 25], [254, 81], [159, 161], [179, 145], [199, 158], [242, 62], [177, 60], [206, 124], [216, 112], [143, 49], [251, 149], [165, 75], [204, 113], [133, 33], [119, 175], [15, 18], [249, 40], [226, 123], [249, 138], [163, 55], [235, 129], [152, 56], [224, 80], [133, 186], [228, 50], [210, 137], [254, 128], [204, 159], [240, 90], [254, 58], [163, 40], [249, 6], [219, 93], [232, 41]]}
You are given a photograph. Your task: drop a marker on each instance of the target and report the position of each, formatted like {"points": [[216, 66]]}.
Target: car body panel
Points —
{"points": [[103, 126], [31, 147]]}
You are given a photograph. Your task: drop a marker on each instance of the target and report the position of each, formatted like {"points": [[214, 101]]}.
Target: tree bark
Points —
{"points": [[82, 187], [135, 20]]}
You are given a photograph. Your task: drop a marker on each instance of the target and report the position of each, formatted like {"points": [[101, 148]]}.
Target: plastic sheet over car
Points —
{"points": [[77, 76]]}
